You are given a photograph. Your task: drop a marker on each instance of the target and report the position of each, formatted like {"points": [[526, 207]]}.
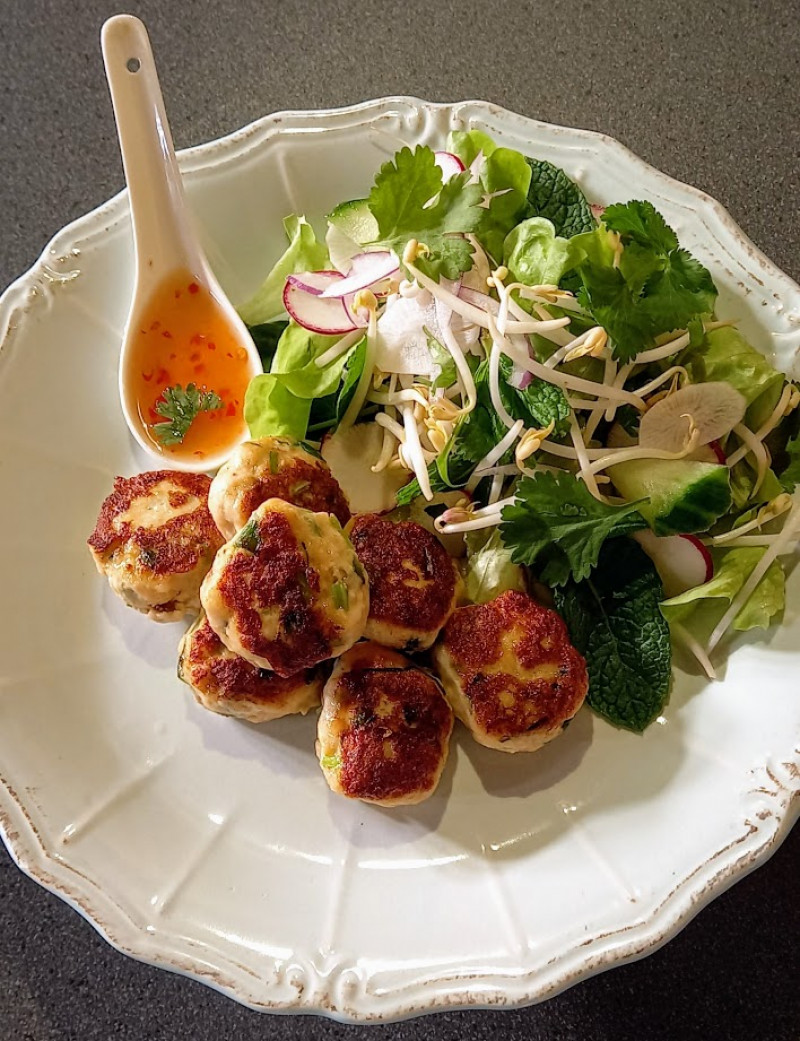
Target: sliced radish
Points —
{"points": [[315, 282], [315, 313], [350, 452], [449, 164], [682, 561], [710, 453], [618, 437], [714, 408], [365, 270], [341, 248], [597, 210], [717, 449]]}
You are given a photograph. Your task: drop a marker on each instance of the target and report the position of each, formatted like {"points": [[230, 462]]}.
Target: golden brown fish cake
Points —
{"points": [[414, 584], [273, 468], [288, 591], [384, 730], [223, 682], [155, 540], [510, 672]]}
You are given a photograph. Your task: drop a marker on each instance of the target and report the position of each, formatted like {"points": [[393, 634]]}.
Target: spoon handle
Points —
{"points": [[162, 225]]}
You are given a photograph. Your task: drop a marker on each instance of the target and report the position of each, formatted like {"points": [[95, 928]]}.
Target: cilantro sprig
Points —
{"points": [[180, 407], [558, 525], [408, 200], [652, 287]]}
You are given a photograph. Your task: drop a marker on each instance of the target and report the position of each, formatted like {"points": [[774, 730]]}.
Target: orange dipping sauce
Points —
{"points": [[184, 338]]}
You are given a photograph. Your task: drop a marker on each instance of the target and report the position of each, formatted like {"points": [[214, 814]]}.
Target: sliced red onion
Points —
{"points": [[365, 270], [449, 164], [520, 378], [315, 282], [359, 320], [482, 300], [329, 317]]}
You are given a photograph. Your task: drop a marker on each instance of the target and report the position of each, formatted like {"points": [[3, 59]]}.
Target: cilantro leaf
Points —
{"points": [[641, 223], [615, 622], [408, 200], [180, 408], [652, 288], [554, 195], [557, 524]]}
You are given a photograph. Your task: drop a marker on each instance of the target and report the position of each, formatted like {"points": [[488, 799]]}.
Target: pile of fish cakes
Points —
{"points": [[299, 605]]}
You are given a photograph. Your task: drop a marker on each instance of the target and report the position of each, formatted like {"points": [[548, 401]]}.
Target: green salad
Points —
{"points": [[549, 383]]}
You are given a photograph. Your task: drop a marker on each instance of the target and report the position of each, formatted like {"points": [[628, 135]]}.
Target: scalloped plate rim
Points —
{"points": [[597, 953]]}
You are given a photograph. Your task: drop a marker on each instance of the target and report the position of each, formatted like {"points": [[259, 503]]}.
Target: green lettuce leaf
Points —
{"points": [[725, 355], [266, 337], [303, 254], [789, 476], [490, 570], [294, 360], [535, 255], [743, 481], [467, 143], [614, 621], [732, 568], [553, 195], [272, 410], [505, 177], [558, 525], [400, 201]]}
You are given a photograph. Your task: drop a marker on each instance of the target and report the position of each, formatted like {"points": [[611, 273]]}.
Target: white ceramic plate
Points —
{"points": [[213, 847]]}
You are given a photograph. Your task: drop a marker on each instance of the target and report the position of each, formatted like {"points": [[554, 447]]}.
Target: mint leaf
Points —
{"points": [[408, 200], [558, 525], [538, 404], [553, 195], [615, 622]]}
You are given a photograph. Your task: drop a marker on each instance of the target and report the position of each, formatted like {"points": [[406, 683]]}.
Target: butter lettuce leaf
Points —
{"points": [[535, 255], [725, 355], [272, 410], [732, 568], [304, 253]]}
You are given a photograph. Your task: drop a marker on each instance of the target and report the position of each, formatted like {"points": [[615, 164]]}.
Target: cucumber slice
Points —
{"points": [[354, 219], [685, 495]]}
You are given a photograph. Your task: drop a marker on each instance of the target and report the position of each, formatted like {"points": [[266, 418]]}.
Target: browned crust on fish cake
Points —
{"points": [[208, 665], [388, 755], [175, 547], [503, 704], [395, 554]]}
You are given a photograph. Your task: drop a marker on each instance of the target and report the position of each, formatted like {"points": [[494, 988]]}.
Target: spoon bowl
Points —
{"points": [[183, 338]]}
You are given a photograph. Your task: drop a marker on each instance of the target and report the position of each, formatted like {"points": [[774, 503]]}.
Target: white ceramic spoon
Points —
{"points": [[163, 230]]}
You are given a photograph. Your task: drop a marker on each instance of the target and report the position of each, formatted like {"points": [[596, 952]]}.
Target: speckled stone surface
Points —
{"points": [[708, 92]]}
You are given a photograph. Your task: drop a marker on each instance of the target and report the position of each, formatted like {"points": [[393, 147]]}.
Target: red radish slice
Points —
{"points": [[309, 309], [315, 282], [597, 210], [682, 561], [350, 452], [715, 409], [365, 270], [360, 319], [449, 164]]}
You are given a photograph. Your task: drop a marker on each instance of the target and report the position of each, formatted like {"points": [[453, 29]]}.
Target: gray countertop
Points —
{"points": [[707, 92]]}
